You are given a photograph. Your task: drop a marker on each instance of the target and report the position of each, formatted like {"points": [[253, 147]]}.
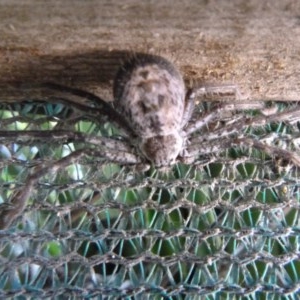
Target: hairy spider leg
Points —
{"points": [[64, 137], [217, 113], [18, 200], [222, 138], [219, 90], [238, 124], [270, 150], [188, 108], [98, 106], [216, 146]]}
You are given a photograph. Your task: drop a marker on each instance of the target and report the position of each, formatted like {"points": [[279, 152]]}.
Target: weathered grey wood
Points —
{"points": [[252, 43]]}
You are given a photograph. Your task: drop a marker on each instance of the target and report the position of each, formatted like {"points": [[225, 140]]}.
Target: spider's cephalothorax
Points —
{"points": [[150, 93]]}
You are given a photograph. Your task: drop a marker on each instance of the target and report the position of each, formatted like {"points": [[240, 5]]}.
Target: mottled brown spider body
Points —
{"points": [[150, 93]]}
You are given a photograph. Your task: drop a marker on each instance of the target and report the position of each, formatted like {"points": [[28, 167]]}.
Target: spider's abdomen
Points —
{"points": [[150, 93]]}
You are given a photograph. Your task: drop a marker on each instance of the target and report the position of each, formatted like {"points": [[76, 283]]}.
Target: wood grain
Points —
{"points": [[254, 44]]}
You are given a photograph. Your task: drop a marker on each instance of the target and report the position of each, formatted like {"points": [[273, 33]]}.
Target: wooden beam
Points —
{"points": [[254, 44]]}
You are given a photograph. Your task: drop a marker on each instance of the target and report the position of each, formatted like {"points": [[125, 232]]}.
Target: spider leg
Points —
{"points": [[270, 150], [219, 91], [95, 105], [231, 134], [27, 137], [189, 107], [195, 149], [217, 146], [83, 101], [10, 212], [218, 112], [238, 124]]}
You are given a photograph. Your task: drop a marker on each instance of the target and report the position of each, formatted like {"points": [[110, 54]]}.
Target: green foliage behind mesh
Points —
{"points": [[225, 228]]}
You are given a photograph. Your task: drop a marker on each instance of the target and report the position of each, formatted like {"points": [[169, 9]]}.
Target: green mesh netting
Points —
{"points": [[224, 228]]}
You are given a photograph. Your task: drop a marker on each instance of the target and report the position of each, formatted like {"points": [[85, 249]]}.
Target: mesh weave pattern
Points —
{"points": [[225, 227]]}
